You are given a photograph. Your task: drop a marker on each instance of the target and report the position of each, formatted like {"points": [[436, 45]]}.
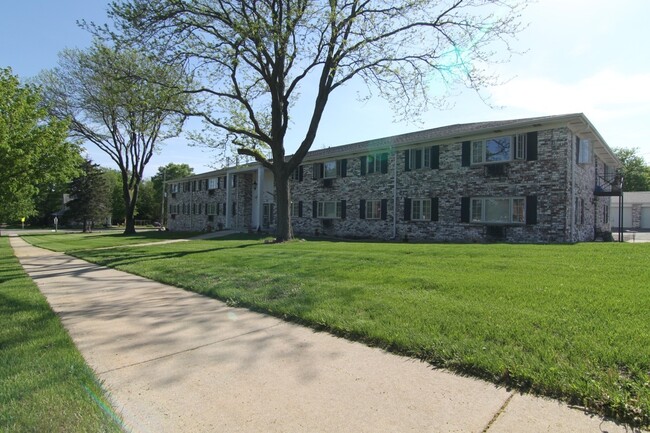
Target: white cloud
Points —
{"points": [[605, 95]]}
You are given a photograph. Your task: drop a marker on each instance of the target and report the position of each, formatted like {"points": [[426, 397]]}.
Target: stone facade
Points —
{"points": [[429, 186]]}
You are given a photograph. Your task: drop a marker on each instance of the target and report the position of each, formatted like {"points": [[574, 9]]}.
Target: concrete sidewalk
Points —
{"points": [[174, 361]]}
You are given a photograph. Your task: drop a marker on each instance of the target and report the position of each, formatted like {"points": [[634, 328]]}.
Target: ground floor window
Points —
{"points": [[498, 210], [373, 209], [329, 209], [421, 209], [267, 215], [296, 209]]}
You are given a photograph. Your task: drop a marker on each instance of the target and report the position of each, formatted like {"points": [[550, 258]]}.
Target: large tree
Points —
{"points": [[34, 151], [90, 196], [123, 102], [251, 58], [636, 173]]}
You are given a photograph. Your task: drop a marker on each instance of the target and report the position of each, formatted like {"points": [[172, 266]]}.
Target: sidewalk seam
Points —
{"points": [[498, 413], [191, 349]]}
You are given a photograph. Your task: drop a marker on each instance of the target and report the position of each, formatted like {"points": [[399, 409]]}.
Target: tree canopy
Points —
{"points": [[123, 102], [251, 60], [90, 196], [34, 151], [636, 173]]}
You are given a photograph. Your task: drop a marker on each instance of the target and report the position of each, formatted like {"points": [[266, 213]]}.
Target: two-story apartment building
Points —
{"points": [[543, 179]]}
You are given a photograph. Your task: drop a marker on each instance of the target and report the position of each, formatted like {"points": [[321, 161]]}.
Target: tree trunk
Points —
{"points": [[284, 231], [129, 210]]}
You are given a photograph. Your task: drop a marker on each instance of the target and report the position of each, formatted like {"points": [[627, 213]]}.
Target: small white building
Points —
{"points": [[636, 211]]}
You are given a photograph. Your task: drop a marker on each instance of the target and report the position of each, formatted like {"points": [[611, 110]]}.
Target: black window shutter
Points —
{"points": [[418, 158], [271, 212], [531, 209], [300, 209], [467, 154], [435, 157], [434, 209], [300, 173], [314, 209], [407, 209], [343, 208], [464, 210], [362, 209], [384, 162], [344, 167], [577, 148], [407, 160], [384, 209], [234, 208], [224, 208], [316, 171], [206, 208], [363, 160], [531, 146]]}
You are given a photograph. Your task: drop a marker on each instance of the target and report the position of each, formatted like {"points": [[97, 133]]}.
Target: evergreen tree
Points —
{"points": [[91, 199]]}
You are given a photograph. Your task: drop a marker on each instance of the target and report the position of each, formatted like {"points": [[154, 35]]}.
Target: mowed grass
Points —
{"points": [[567, 321], [83, 241], [45, 385]]}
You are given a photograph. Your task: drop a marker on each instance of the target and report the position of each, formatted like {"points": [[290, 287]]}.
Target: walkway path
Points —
{"points": [[174, 361]]}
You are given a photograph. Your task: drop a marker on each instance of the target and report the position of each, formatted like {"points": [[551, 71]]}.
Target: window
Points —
{"points": [[510, 210], [174, 187], [580, 211], [583, 151], [267, 215], [421, 209], [212, 208], [297, 173], [295, 209], [418, 158], [329, 169], [376, 163], [234, 180], [329, 209], [499, 149], [606, 214], [373, 209], [213, 183]]}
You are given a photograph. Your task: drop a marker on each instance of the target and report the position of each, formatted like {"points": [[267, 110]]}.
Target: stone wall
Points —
{"points": [[562, 189]]}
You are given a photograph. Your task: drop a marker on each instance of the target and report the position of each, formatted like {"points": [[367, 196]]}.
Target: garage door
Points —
{"points": [[627, 216], [645, 217]]}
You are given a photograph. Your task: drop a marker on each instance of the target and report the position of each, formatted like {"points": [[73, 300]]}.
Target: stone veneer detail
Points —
{"points": [[562, 187]]}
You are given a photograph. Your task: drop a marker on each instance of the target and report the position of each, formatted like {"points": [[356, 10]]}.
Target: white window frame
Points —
{"points": [[373, 209], [294, 210], [174, 187], [330, 169], [425, 158], [516, 150], [212, 208], [325, 211], [421, 209], [516, 214], [213, 183]]}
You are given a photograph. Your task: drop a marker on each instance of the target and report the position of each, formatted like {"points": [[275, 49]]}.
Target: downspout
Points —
{"points": [[395, 194], [572, 205]]}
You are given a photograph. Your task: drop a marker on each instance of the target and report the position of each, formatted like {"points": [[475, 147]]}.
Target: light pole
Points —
{"points": [[162, 205]]}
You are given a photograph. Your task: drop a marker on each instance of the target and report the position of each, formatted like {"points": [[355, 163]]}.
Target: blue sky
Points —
{"points": [[587, 56]]}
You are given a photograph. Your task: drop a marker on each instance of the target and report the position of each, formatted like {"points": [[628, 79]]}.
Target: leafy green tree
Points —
{"points": [[34, 150], [121, 101], [636, 173], [114, 179], [148, 206], [90, 196], [168, 172], [253, 58]]}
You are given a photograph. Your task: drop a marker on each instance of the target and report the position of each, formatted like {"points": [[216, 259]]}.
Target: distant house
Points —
{"points": [[635, 208], [542, 179]]}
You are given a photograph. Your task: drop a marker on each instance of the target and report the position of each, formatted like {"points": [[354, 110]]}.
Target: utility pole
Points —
{"points": [[162, 205]]}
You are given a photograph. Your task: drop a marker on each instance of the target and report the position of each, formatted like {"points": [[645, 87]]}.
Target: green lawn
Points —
{"points": [[45, 385], [567, 321]]}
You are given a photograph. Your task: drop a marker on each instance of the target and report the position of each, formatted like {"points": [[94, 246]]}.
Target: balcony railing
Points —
{"points": [[609, 184]]}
